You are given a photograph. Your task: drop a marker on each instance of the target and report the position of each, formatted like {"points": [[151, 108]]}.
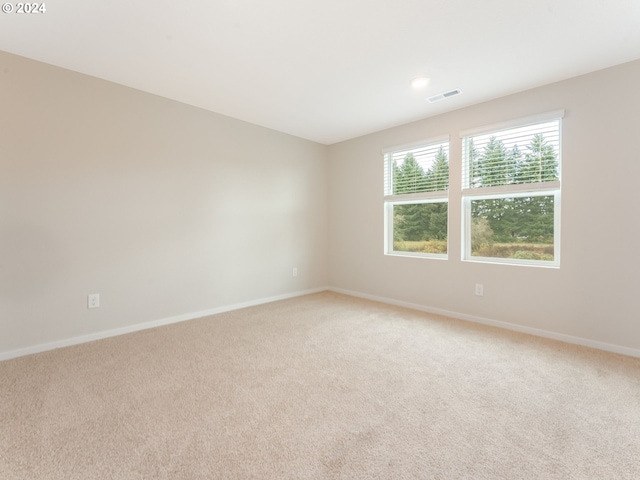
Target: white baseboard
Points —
{"points": [[143, 326], [632, 352], [192, 316]]}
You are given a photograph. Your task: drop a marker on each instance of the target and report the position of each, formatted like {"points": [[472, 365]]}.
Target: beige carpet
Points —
{"points": [[322, 386]]}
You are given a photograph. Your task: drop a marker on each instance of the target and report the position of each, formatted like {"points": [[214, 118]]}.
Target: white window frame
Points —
{"points": [[391, 200], [512, 191]]}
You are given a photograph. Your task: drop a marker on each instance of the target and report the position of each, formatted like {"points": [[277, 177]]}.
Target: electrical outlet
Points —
{"points": [[479, 289], [295, 271], [93, 300]]}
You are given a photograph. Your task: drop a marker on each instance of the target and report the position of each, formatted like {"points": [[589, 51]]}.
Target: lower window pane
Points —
{"points": [[420, 228], [517, 227]]}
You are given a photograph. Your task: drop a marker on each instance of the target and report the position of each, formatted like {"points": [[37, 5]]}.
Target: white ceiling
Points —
{"points": [[328, 70]]}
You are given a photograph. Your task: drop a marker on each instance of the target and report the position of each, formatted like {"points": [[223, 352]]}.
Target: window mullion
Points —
{"points": [[513, 188], [412, 197]]}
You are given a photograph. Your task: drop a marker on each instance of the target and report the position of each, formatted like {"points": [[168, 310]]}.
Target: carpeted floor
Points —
{"points": [[321, 387]]}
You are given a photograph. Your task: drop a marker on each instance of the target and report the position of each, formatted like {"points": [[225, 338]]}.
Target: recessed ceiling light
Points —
{"points": [[419, 82]]}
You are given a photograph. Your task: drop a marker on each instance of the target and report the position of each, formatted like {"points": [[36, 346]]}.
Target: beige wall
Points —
{"points": [[161, 208], [593, 295], [167, 210]]}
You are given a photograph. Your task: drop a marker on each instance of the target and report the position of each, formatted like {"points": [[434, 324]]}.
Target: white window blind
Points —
{"points": [[528, 154], [420, 169]]}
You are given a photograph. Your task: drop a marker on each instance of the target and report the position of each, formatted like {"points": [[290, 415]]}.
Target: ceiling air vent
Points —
{"points": [[442, 96]]}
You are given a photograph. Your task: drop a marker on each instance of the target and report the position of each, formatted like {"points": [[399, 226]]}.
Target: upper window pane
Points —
{"points": [[522, 155], [419, 170]]}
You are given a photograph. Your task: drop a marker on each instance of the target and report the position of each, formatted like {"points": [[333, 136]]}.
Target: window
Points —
{"points": [[416, 199], [511, 192]]}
